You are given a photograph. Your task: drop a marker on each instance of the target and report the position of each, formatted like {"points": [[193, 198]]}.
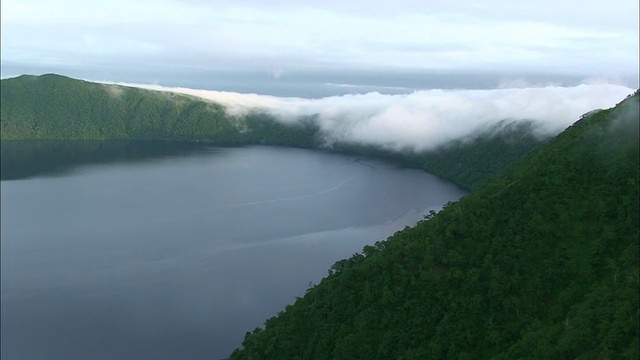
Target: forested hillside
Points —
{"points": [[56, 107], [51, 107], [540, 264], [471, 162]]}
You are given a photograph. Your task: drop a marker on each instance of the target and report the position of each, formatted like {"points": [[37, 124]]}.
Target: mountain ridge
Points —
{"points": [[56, 107]]}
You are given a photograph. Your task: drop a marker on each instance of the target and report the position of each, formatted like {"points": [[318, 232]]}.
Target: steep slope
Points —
{"points": [[471, 162], [541, 263], [57, 107], [493, 152]]}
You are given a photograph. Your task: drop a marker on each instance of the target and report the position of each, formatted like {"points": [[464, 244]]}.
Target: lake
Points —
{"points": [[156, 250]]}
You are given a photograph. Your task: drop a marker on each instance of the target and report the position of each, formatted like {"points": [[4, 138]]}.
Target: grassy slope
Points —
{"points": [[57, 107], [541, 263]]}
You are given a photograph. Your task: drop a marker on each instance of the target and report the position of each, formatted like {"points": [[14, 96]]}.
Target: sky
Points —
{"points": [[549, 61], [110, 39]]}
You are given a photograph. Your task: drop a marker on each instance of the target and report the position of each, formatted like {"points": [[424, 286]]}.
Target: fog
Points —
{"points": [[625, 124], [424, 119]]}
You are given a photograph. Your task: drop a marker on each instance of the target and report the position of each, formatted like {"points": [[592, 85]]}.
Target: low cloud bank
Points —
{"points": [[423, 120]]}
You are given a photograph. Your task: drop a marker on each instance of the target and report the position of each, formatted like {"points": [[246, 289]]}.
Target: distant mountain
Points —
{"points": [[51, 107], [542, 263]]}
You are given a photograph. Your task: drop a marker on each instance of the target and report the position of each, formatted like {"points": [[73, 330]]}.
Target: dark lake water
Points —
{"points": [[174, 251]]}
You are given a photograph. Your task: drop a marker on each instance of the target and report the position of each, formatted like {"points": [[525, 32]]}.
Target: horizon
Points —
{"points": [[193, 43]]}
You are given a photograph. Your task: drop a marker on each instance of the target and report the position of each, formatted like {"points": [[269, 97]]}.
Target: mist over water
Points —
{"points": [[167, 251]]}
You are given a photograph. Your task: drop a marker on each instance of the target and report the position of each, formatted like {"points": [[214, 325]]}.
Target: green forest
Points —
{"points": [[540, 261]]}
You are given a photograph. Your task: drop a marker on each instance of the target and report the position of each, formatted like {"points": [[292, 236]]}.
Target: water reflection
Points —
{"points": [[26, 159], [149, 250]]}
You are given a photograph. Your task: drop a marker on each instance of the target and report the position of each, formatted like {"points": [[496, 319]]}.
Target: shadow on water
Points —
{"points": [[27, 159]]}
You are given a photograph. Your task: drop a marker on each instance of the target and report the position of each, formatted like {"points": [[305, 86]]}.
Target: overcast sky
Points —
{"points": [[580, 37]]}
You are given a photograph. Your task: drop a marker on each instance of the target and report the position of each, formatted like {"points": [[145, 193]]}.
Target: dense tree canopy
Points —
{"points": [[541, 263]]}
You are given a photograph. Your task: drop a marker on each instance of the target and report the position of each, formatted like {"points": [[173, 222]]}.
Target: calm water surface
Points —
{"points": [[167, 251]]}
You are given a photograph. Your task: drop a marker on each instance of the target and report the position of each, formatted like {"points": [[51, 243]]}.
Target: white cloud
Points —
{"points": [[589, 37], [424, 119]]}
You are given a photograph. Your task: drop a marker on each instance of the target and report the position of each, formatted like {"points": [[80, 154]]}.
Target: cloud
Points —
{"points": [[423, 120], [589, 38]]}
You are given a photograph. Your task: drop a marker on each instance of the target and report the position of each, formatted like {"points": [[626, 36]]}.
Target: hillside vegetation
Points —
{"points": [[54, 107], [541, 261], [540, 264]]}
